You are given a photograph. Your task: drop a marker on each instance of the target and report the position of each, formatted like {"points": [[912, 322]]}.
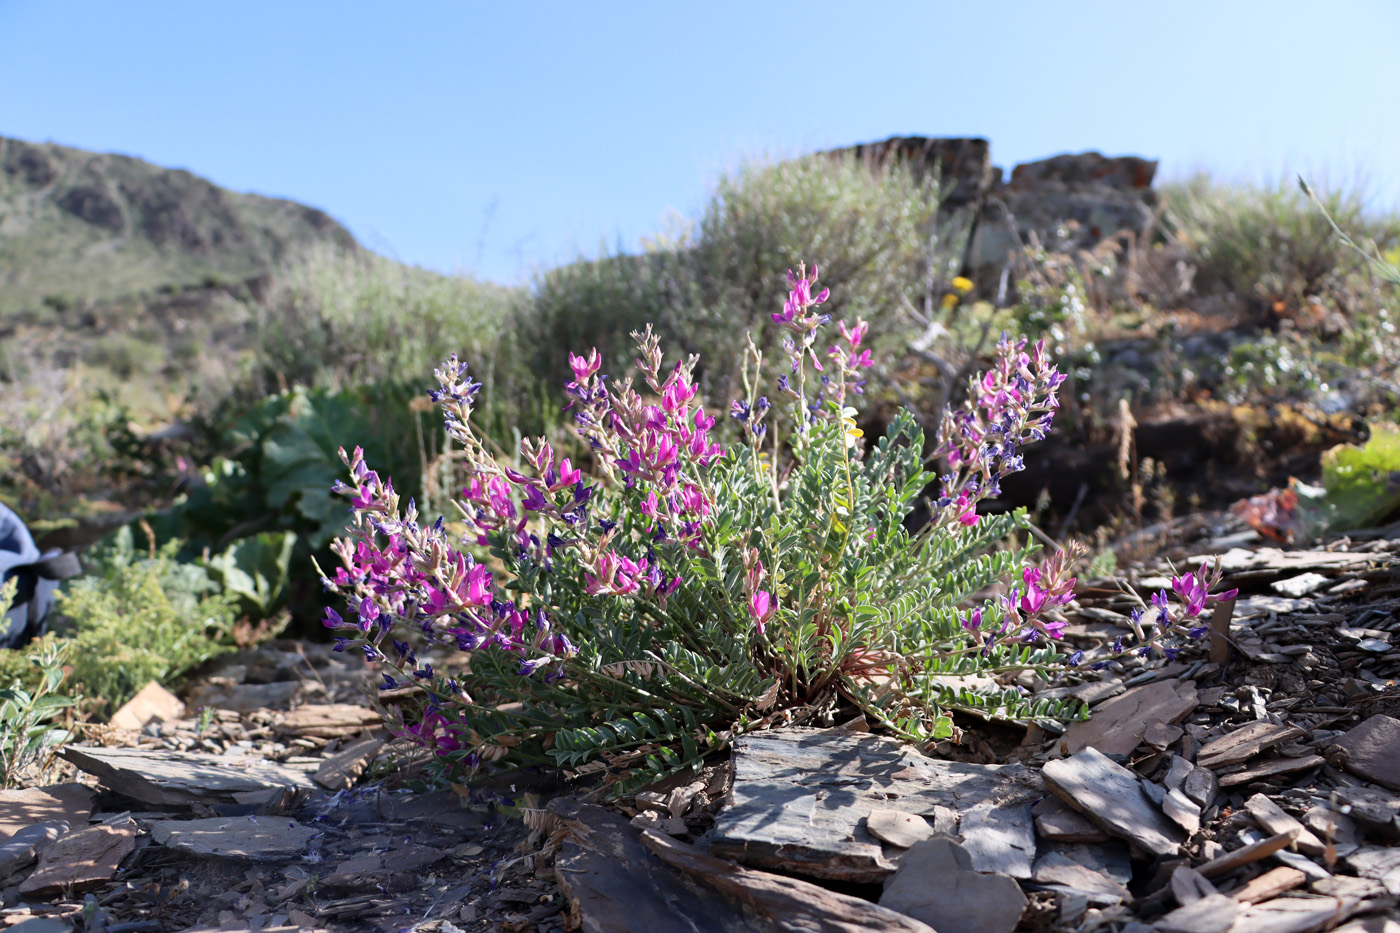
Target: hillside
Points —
{"points": [[78, 227]]}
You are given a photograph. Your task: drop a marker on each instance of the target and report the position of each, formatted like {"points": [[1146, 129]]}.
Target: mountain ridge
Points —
{"points": [[79, 227]]}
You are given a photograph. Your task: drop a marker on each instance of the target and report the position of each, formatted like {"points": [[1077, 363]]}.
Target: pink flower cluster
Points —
{"points": [[1165, 620], [800, 317], [417, 577], [659, 450], [1026, 609], [1008, 406]]}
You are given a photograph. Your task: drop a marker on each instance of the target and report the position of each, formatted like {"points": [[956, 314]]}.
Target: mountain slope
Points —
{"points": [[79, 226]]}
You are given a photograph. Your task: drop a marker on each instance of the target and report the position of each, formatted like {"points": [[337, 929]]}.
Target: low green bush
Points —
{"points": [[132, 618], [1266, 242], [869, 224], [337, 319]]}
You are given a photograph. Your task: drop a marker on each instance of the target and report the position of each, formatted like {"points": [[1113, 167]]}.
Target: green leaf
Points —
{"points": [[1362, 483], [255, 569]]}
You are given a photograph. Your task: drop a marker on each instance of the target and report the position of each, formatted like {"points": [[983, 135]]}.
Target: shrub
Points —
{"points": [[337, 319], [688, 593], [1267, 242], [29, 738], [124, 355], [133, 619], [868, 224]]}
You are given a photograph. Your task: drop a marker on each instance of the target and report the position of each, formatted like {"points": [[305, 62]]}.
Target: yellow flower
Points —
{"points": [[949, 300], [962, 284]]}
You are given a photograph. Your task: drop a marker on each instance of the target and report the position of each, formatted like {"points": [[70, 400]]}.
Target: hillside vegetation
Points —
{"points": [[79, 227]]}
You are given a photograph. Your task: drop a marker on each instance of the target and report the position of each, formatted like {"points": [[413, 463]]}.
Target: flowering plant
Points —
{"points": [[636, 618]]}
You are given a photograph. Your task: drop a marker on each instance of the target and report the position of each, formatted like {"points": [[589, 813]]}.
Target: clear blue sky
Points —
{"points": [[498, 138]]}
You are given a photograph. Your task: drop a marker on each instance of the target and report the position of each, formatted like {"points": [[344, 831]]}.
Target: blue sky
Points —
{"points": [[501, 138]]}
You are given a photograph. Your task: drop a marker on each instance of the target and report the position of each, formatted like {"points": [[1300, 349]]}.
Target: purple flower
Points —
{"points": [[972, 621]]}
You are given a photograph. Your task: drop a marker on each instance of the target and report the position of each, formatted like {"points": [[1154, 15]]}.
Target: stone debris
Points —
{"points": [[1057, 868], [1119, 723], [82, 859], [1379, 863], [786, 904], [1247, 855], [612, 882], [341, 770], [1188, 885], [257, 838], [65, 803], [1271, 884], [1301, 585], [1374, 810], [1273, 820], [153, 703], [165, 778], [1112, 797], [1271, 768], [328, 721], [898, 828], [1057, 821], [21, 849], [936, 884], [1244, 743], [1182, 810], [801, 798], [1291, 915], [1214, 913], [243, 697], [1371, 751]]}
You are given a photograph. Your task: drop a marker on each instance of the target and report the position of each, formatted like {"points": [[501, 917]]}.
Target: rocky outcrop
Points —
{"points": [[1066, 202], [964, 165]]}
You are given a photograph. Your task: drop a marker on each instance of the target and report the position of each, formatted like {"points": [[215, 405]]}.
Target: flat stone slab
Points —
{"points": [[1273, 820], [1270, 768], [1112, 796], [1376, 811], [1301, 585], [24, 846], [788, 904], [327, 721], [166, 778], [935, 883], [801, 799], [1290, 915], [1379, 863], [153, 703], [897, 827], [1214, 913], [1118, 725], [68, 803], [254, 838], [81, 860], [1371, 751], [613, 883], [1059, 869], [1056, 820], [1244, 743], [344, 768]]}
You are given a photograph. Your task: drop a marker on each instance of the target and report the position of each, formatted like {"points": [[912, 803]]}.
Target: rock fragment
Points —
{"points": [[1112, 797], [1371, 751], [81, 860], [936, 884]]}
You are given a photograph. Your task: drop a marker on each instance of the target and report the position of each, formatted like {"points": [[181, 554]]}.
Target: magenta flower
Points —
{"points": [[585, 369], [762, 606], [1033, 600], [853, 335]]}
